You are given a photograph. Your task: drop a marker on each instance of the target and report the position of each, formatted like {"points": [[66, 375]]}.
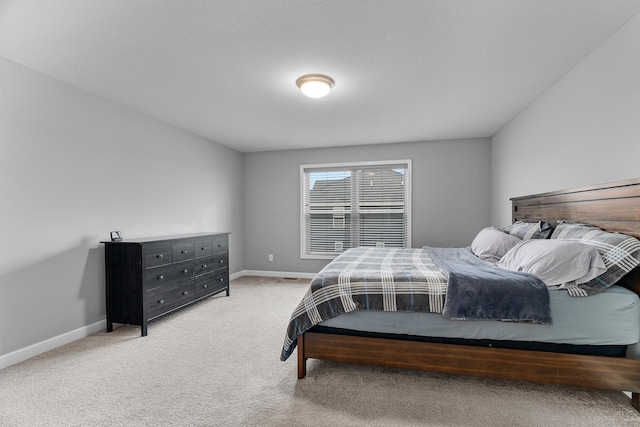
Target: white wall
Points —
{"points": [[73, 167], [450, 201], [584, 130]]}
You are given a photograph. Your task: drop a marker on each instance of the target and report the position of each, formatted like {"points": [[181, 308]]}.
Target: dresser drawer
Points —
{"points": [[220, 261], [167, 275], [203, 248], [220, 245], [211, 283], [209, 264], [162, 300], [182, 251], [157, 255]]}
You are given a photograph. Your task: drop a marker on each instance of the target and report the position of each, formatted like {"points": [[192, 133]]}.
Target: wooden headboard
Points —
{"points": [[612, 207]]}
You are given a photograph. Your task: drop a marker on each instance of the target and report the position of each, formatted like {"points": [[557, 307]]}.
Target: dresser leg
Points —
{"points": [[109, 326], [143, 330]]}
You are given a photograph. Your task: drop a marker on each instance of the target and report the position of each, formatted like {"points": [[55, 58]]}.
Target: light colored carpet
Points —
{"points": [[217, 364]]}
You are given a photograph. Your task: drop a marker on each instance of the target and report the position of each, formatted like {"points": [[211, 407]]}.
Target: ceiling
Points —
{"points": [[226, 70]]}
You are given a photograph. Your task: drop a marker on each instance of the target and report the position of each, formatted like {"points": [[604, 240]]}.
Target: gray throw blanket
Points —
{"points": [[478, 290]]}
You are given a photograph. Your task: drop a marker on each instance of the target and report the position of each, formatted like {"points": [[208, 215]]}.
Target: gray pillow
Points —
{"points": [[491, 244], [555, 262], [529, 230], [620, 253]]}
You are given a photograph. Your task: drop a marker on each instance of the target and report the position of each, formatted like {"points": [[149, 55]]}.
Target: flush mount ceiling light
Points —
{"points": [[315, 85]]}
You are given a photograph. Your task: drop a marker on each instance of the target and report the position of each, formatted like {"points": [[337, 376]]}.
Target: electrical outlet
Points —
{"points": [[270, 257]]}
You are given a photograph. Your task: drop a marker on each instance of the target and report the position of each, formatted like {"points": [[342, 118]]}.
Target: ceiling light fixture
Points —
{"points": [[315, 85]]}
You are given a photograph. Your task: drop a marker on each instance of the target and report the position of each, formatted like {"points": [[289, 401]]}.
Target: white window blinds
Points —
{"points": [[356, 204]]}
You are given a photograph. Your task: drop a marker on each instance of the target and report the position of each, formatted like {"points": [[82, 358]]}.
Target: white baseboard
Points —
{"points": [[236, 275], [47, 345], [287, 274]]}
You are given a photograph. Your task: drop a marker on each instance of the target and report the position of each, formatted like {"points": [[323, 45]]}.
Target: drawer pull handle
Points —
{"points": [[185, 293], [203, 248], [161, 301], [160, 277], [185, 271], [219, 246], [221, 261], [159, 256], [204, 266], [205, 286], [183, 252], [222, 279]]}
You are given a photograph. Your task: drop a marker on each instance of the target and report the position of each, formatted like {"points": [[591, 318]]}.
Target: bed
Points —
{"points": [[355, 337]]}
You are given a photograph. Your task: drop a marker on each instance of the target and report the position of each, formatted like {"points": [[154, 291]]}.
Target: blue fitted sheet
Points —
{"points": [[611, 317]]}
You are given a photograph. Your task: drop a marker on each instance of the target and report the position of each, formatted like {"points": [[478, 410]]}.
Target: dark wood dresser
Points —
{"points": [[149, 278]]}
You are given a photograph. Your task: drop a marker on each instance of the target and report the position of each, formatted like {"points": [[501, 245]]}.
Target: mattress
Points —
{"points": [[611, 317]]}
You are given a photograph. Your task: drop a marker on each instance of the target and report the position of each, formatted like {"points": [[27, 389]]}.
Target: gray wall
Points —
{"points": [[584, 130], [451, 196], [73, 167]]}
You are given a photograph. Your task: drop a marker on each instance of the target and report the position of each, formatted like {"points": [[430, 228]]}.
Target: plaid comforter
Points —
{"points": [[388, 279]]}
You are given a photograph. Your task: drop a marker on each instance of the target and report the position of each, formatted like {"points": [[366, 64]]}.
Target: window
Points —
{"points": [[348, 205]]}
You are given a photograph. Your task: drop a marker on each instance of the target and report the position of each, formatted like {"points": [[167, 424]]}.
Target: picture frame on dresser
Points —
{"points": [[150, 278]]}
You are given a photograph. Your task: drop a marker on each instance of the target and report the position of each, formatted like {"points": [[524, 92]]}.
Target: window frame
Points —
{"points": [[349, 166]]}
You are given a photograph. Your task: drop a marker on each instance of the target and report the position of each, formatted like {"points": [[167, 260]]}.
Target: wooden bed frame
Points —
{"points": [[612, 207]]}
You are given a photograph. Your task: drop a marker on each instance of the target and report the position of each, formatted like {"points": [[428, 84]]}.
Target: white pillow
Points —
{"points": [[555, 262], [491, 244]]}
